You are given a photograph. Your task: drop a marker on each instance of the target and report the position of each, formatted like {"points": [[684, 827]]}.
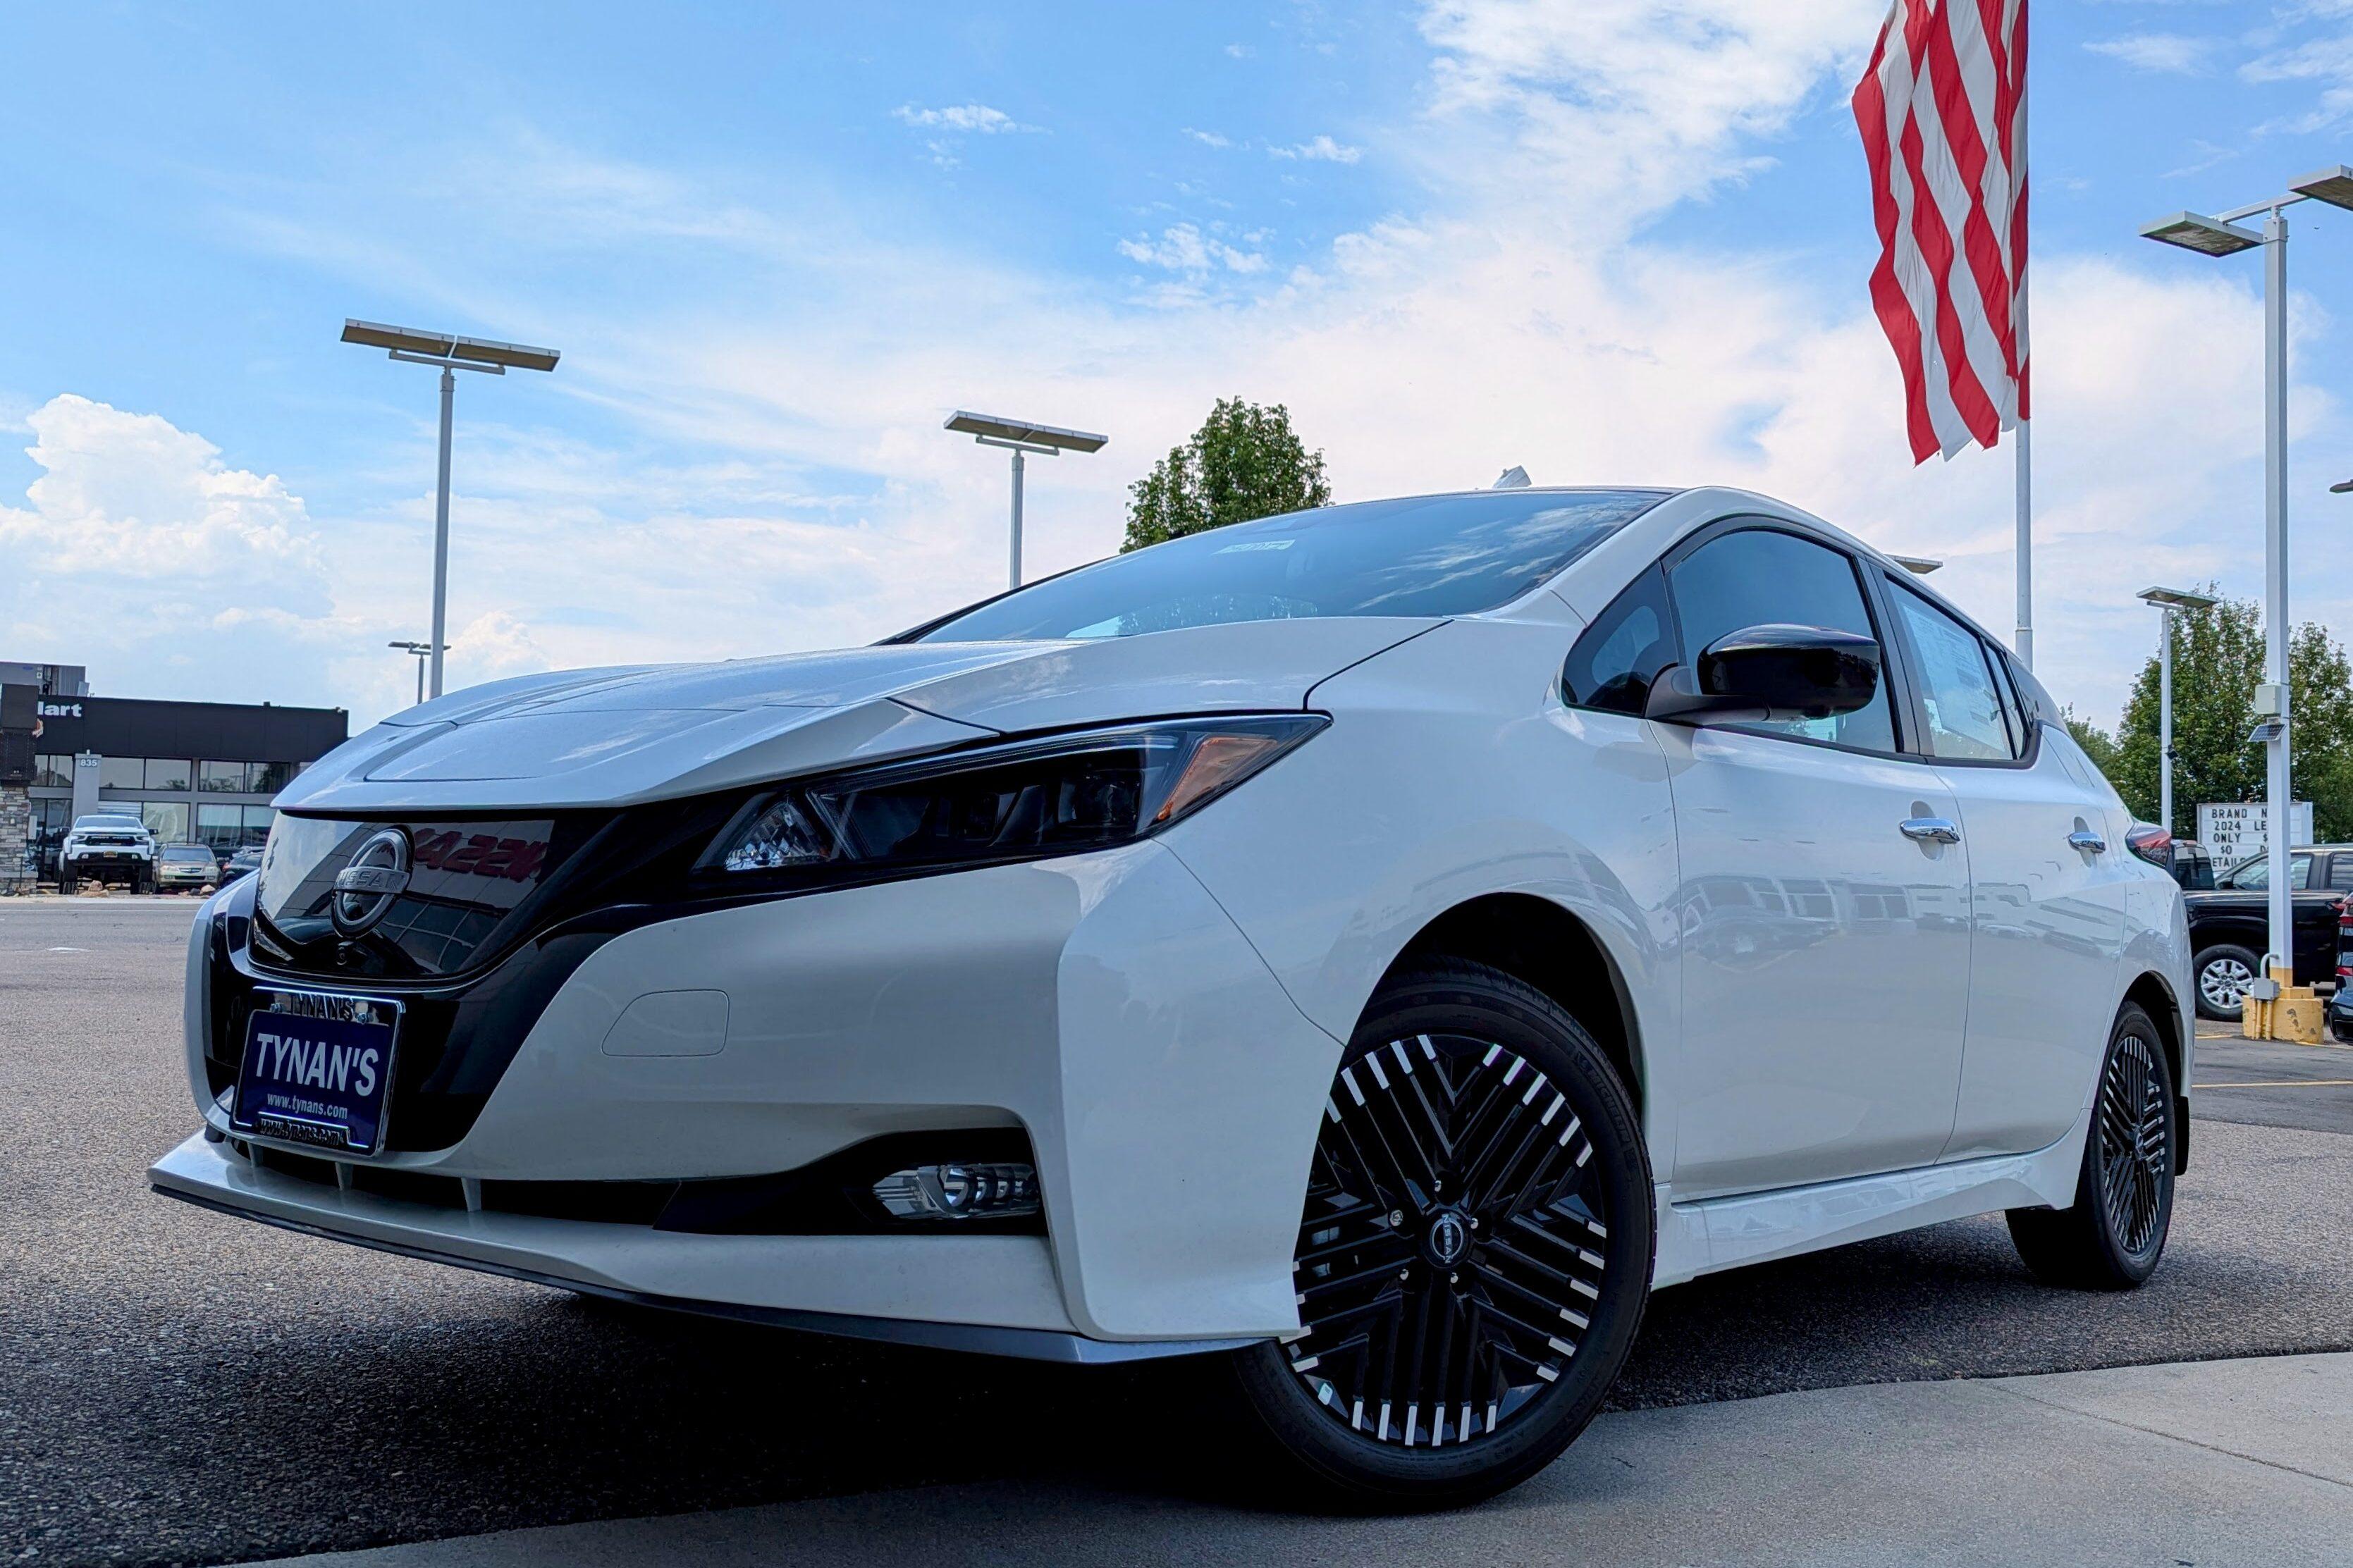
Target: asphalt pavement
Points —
{"points": [[179, 1386]]}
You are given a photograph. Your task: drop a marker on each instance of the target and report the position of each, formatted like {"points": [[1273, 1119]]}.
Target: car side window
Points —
{"points": [[1762, 576], [2340, 873], [1621, 653], [1964, 706]]}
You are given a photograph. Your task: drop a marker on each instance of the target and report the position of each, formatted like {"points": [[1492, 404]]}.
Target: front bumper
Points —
{"points": [[1102, 1005]]}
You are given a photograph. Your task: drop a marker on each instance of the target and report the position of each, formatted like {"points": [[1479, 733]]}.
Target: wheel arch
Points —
{"points": [[2155, 995], [1538, 940]]}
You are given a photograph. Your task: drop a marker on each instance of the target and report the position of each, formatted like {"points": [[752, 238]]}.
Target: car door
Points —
{"points": [[1822, 905], [2047, 872]]}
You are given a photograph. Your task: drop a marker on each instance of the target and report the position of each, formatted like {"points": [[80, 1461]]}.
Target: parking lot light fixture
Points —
{"points": [[1918, 565], [2169, 600], [1022, 438], [411, 345], [421, 649], [2223, 235]]}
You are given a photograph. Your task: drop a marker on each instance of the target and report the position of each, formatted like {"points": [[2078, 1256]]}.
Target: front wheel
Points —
{"points": [[2113, 1235], [1474, 1253]]}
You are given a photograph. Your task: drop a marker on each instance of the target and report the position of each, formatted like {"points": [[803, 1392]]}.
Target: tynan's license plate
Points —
{"points": [[317, 1071]]}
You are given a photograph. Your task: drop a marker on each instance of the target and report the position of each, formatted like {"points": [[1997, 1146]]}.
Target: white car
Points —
{"points": [[1377, 946]]}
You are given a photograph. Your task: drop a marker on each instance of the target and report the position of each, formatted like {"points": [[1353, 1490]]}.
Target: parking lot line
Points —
{"points": [[2282, 1083]]}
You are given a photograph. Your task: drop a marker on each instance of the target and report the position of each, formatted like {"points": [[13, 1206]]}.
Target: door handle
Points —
{"points": [[2084, 839], [1930, 830]]}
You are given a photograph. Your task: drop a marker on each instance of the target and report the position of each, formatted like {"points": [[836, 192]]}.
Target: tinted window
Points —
{"points": [[1613, 664], [224, 777], [170, 773], [1436, 555], [1764, 577], [1956, 686], [2340, 873], [121, 772]]}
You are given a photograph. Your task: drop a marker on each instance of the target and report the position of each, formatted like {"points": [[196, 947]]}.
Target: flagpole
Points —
{"points": [[2025, 642]]}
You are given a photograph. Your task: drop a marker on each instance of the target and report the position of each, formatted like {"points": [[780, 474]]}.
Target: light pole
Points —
{"points": [[2224, 236], [2169, 600], [411, 346], [421, 649], [1022, 438]]}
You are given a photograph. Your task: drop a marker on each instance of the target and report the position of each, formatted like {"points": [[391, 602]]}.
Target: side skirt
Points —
{"points": [[1696, 1238]]}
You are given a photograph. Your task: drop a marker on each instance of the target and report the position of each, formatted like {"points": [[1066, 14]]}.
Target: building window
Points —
{"points": [[46, 832], [222, 778], [169, 773], [166, 819], [221, 828], [53, 770], [268, 778], [258, 819], [121, 772]]}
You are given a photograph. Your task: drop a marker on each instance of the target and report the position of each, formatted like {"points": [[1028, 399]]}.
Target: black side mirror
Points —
{"points": [[1770, 672]]}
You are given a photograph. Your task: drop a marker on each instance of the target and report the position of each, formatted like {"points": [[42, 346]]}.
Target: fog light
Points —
{"points": [[960, 1192]]}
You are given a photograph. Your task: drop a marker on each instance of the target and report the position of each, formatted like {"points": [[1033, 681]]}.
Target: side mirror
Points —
{"points": [[1769, 672]]}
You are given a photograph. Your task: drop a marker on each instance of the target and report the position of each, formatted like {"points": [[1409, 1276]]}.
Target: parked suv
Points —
{"points": [[2230, 924], [107, 846], [1368, 950]]}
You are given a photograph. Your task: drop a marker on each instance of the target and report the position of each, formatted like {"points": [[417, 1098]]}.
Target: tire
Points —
{"points": [[67, 883], [2113, 1237], [1415, 1326], [2234, 966]]}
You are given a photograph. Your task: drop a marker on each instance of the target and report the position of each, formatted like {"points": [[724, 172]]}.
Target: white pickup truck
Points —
{"points": [[108, 846]]}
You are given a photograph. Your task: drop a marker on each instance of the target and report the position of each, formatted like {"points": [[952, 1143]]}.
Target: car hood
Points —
{"points": [[626, 734]]}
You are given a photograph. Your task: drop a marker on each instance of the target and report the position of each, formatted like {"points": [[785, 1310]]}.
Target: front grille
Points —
{"points": [[472, 888]]}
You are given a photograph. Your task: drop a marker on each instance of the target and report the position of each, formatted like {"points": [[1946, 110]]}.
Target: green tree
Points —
{"points": [[1244, 461], [2218, 661], [2097, 744]]}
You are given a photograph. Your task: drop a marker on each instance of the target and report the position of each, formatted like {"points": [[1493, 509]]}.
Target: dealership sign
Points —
{"points": [[2234, 831]]}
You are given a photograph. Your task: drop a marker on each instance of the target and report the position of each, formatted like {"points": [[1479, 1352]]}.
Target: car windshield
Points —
{"points": [[191, 852], [1429, 556], [107, 824]]}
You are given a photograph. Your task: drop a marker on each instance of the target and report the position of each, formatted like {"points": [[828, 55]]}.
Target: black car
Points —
{"points": [[2230, 924]]}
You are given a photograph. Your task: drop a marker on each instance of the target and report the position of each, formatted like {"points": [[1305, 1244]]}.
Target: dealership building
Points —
{"points": [[200, 773]]}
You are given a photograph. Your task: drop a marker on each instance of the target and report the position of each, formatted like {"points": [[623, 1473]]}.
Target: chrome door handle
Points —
{"points": [[1930, 830], [2084, 839]]}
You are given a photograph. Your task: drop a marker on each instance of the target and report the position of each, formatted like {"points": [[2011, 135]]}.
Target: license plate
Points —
{"points": [[318, 1070]]}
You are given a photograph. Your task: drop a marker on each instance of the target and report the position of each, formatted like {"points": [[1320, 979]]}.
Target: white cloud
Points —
{"points": [[1208, 138], [1240, 51], [2163, 53], [1321, 149], [976, 118], [1184, 249]]}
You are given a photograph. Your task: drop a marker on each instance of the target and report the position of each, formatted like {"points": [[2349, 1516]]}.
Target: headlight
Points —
{"points": [[1017, 802]]}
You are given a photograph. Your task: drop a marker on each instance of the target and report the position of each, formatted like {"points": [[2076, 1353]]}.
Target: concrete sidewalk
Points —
{"points": [[2192, 1463]]}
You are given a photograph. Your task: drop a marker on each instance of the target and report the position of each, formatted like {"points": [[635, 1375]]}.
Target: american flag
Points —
{"points": [[1943, 115]]}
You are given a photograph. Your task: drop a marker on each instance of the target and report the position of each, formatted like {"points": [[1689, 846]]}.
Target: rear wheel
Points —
{"points": [[2224, 972], [1475, 1251], [2113, 1237]]}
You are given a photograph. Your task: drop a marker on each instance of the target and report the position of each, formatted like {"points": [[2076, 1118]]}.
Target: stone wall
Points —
{"points": [[16, 826]]}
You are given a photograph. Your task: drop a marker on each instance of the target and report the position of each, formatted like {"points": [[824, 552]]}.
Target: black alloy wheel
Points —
{"points": [[2113, 1237], [1475, 1252]]}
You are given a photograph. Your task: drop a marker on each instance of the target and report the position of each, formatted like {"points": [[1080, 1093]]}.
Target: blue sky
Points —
{"points": [[1613, 241]]}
